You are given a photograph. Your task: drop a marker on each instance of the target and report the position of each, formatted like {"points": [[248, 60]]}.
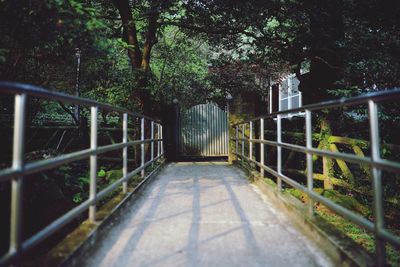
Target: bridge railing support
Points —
{"points": [[19, 169], [160, 148], [243, 135], [262, 147], [125, 151], [152, 142], [279, 150], [382, 234], [142, 146], [237, 139], [377, 183], [250, 138], [17, 181], [310, 167], [93, 164]]}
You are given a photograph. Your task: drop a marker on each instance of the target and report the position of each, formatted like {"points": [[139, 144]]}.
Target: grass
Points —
{"points": [[358, 234], [353, 231]]}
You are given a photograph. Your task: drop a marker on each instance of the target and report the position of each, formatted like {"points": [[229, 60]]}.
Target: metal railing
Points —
{"points": [[19, 169], [377, 164]]}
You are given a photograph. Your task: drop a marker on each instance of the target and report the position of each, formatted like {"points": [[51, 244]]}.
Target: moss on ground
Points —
{"points": [[353, 231], [356, 233]]}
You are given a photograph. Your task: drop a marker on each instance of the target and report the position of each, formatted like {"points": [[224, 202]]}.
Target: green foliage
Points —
{"points": [[77, 198], [296, 193], [101, 174], [346, 201], [180, 67], [201, 51], [64, 168], [113, 175], [84, 180], [38, 47]]}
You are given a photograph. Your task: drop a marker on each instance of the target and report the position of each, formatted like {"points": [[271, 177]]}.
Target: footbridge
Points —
{"points": [[151, 212]]}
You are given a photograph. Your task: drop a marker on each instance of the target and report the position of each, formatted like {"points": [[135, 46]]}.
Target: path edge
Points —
{"points": [[340, 248], [81, 240]]}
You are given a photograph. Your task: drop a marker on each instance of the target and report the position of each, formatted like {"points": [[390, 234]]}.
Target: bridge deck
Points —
{"points": [[204, 214]]}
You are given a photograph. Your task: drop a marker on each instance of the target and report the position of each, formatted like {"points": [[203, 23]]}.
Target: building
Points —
{"points": [[284, 95]]}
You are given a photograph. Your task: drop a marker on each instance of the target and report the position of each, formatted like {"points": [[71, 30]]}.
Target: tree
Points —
{"points": [[343, 44], [138, 54]]}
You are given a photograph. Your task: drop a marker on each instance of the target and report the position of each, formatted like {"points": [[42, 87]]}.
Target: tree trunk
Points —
{"points": [[140, 61], [130, 33], [326, 56]]}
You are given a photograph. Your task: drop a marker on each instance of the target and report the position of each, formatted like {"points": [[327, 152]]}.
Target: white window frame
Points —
{"points": [[289, 97]]}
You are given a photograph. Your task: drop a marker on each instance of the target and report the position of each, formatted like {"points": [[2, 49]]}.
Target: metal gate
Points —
{"points": [[203, 131]]}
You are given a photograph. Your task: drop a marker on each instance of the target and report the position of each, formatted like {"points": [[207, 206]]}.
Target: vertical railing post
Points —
{"points": [[142, 146], [17, 182], [152, 143], [158, 142], [93, 163], [250, 142], [310, 167], [262, 147], [243, 130], [377, 183], [125, 151], [162, 139], [237, 140], [279, 150]]}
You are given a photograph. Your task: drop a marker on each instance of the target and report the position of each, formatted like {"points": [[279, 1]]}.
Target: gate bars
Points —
{"points": [[203, 131], [377, 164], [20, 169]]}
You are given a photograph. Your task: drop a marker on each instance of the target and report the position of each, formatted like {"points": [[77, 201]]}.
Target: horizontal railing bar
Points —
{"points": [[270, 170], [114, 185], [46, 164], [17, 248], [390, 237], [151, 173], [32, 90], [368, 225], [72, 214], [114, 129], [68, 127], [383, 164], [362, 99], [361, 221], [57, 224]]}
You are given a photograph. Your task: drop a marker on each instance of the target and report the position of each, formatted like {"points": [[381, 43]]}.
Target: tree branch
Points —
{"points": [[130, 32], [150, 40], [228, 31], [69, 112]]}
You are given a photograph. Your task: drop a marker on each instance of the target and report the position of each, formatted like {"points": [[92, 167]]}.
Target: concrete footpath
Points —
{"points": [[204, 214]]}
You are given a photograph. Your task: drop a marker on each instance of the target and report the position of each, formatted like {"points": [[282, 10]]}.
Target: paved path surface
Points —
{"points": [[204, 214]]}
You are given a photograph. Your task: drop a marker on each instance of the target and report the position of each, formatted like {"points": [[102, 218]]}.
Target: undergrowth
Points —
{"points": [[353, 231]]}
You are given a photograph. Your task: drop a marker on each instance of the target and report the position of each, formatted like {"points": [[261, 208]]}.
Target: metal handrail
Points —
{"points": [[341, 102], [32, 90], [377, 164], [19, 169]]}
